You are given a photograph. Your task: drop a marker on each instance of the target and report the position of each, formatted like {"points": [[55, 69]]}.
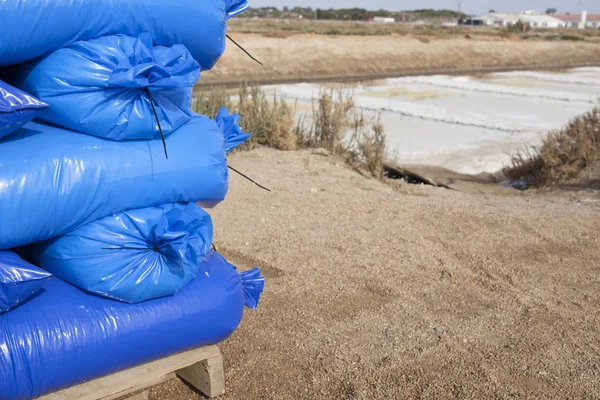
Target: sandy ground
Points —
{"points": [[307, 56], [378, 292]]}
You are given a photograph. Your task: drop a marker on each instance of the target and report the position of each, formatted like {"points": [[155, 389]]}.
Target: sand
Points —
{"points": [[379, 291], [309, 57]]}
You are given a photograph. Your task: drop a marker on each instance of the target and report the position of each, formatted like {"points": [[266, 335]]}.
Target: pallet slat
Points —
{"points": [[203, 365]]}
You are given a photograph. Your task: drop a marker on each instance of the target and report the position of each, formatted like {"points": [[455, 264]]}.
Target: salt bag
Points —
{"points": [[33, 28], [19, 280], [53, 180], [113, 87], [131, 256], [66, 336], [16, 108]]}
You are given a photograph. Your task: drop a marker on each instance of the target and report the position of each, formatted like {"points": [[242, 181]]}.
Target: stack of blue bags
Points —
{"points": [[105, 252]]}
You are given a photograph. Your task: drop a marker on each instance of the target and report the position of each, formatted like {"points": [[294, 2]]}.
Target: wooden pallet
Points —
{"points": [[202, 368]]}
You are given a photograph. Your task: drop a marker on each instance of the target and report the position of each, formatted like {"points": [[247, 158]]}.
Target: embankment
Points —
{"points": [[306, 57]]}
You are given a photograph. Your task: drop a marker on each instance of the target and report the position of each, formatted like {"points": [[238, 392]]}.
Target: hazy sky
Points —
{"points": [[469, 6]]}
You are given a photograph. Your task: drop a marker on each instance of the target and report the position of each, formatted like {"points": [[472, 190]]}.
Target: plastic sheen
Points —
{"points": [[33, 28], [131, 256], [100, 87], [19, 280], [53, 181], [16, 108], [64, 336]]}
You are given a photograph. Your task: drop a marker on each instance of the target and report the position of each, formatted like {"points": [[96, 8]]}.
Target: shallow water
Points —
{"points": [[468, 124]]}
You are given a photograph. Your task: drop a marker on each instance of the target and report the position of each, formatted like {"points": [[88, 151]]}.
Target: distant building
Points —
{"points": [[384, 20], [591, 21], [528, 17], [470, 21], [541, 21], [495, 19]]}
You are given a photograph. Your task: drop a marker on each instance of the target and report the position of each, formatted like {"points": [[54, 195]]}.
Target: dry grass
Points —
{"points": [[340, 128], [554, 36], [368, 147], [335, 124], [282, 28], [208, 102], [334, 58], [268, 26], [331, 119], [563, 156], [270, 120]]}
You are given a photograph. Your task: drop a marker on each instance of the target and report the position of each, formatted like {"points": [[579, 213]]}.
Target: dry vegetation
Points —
{"points": [[282, 28], [272, 26], [330, 121], [335, 125], [564, 156], [292, 57], [269, 120]]}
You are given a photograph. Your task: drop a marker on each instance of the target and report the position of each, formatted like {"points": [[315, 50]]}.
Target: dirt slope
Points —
{"points": [[298, 57], [376, 292]]}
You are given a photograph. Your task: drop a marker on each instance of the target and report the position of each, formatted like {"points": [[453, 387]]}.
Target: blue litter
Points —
{"points": [[131, 256], [19, 280], [53, 181], [100, 87], [16, 108], [228, 123], [64, 336], [254, 284], [33, 28]]}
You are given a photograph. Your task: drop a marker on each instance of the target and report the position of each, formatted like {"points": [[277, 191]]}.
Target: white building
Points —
{"points": [[541, 21], [384, 20], [497, 19], [528, 18], [591, 21]]}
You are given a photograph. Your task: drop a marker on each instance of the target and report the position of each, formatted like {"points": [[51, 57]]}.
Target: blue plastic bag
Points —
{"points": [[100, 87], [34, 28], [53, 180], [16, 108], [19, 280], [254, 284], [131, 256], [65, 336]]}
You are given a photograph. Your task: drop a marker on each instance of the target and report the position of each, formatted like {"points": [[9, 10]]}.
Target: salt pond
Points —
{"points": [[465, 123]]}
